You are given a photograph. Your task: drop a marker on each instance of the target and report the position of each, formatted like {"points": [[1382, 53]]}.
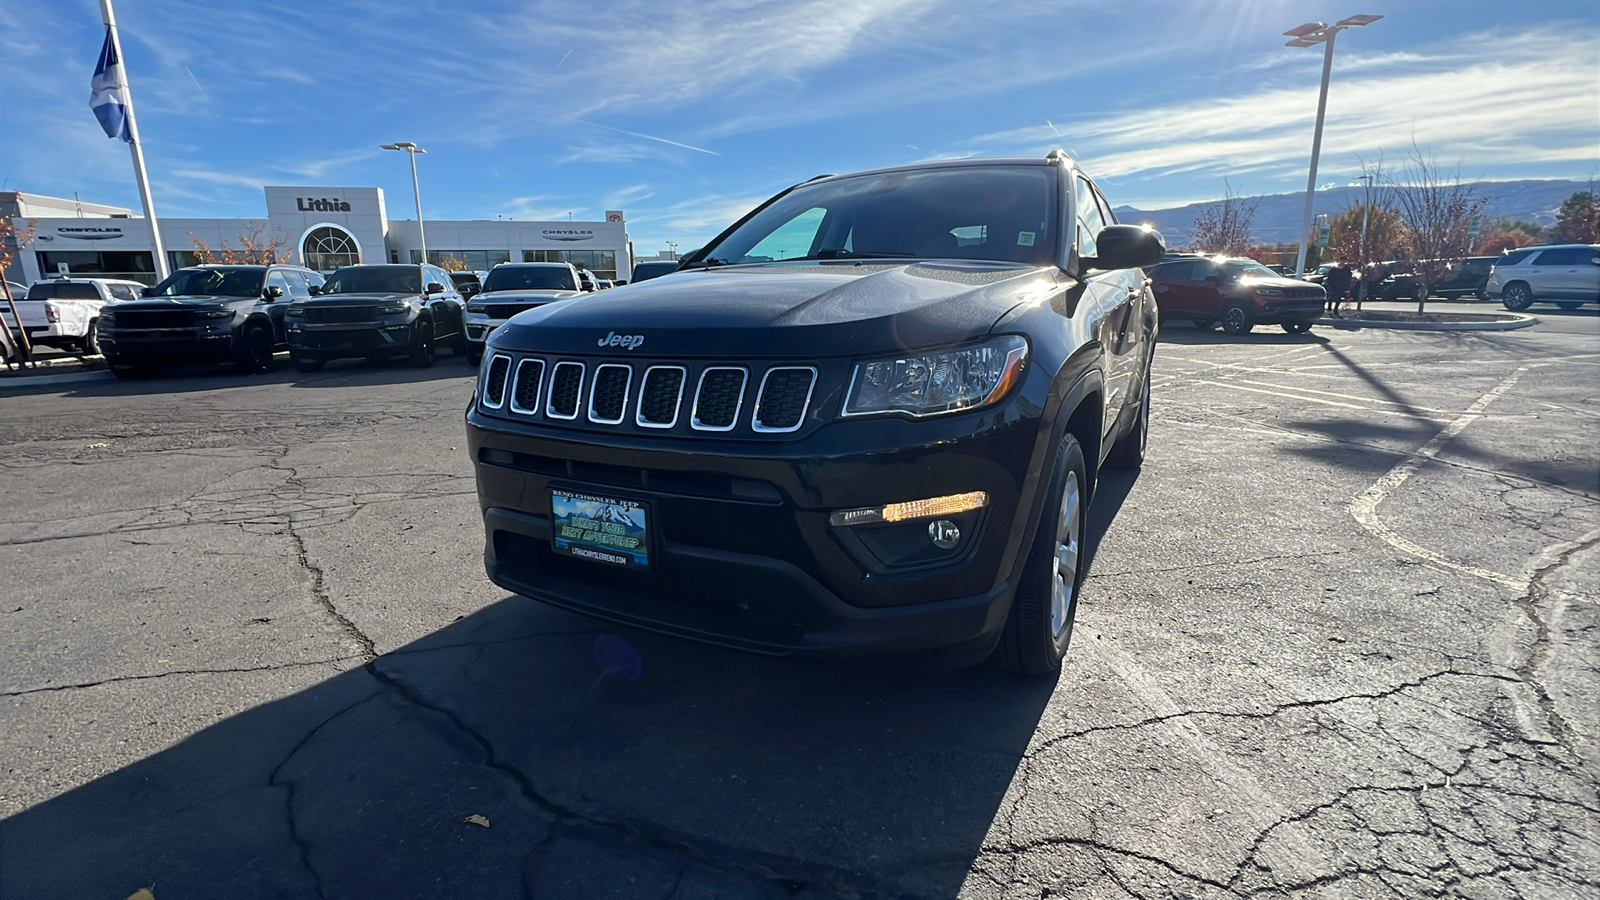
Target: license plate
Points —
{"points": [[599, 528]]}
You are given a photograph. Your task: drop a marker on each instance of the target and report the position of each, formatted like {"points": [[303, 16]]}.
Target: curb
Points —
{"points": [[38, 380], [1498, 323]]}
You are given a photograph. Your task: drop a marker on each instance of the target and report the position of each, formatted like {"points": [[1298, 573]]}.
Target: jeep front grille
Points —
{"points": [[655, 395], [494, 382], [660, 396], [525, 393], [609, 395], [566, 385]]}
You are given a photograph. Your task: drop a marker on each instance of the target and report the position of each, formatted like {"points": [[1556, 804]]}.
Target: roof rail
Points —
{"points": [[1056, 154]]}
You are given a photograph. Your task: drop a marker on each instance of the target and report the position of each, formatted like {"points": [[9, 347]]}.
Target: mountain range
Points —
{"points": [[1277, 218]]}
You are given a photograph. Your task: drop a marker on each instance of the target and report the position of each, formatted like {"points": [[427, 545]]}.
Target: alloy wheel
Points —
{"points": [[1069, 536]]}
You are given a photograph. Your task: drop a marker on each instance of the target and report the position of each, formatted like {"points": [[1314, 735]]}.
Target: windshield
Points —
{"points": [[1252, 269], [213, 282], [375, 280], [1001, 213], [529, 278]]}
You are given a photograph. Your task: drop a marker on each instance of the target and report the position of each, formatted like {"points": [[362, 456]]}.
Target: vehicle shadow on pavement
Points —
{"points": [[1267, 335], [602, 761], [198, 378]]}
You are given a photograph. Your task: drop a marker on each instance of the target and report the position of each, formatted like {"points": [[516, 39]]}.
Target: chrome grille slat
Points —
{"points": [[525, 388], [494, 381], [566, 390], [660, 396], [608, 396], [783, 398], [718, 398]]}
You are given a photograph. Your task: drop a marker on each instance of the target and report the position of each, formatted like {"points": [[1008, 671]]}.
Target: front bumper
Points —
{"points": [[1289, 311], [335, 341], [745, 555], [479, 326], [193, 343]]}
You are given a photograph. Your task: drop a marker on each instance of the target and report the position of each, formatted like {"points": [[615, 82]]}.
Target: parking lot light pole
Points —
{"points": [[1309, 35], [412, 150]]}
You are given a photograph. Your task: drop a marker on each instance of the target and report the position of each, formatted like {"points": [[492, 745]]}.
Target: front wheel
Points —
{"points": [[254, 356], [1039, 628], [1516, 296], [1297, 327], [1236, 320], [91, 339], [422, 346]]}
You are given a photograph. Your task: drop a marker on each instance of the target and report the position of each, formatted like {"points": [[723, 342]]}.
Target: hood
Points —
{"points": [[188, 300], [803, 310], [355, 299], [523, 296]]}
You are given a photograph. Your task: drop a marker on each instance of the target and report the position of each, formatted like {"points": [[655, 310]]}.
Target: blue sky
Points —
{"points": [[686, 114]]}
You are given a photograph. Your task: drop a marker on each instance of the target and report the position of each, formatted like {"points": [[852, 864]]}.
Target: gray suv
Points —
{"points": [[1567, 275]]}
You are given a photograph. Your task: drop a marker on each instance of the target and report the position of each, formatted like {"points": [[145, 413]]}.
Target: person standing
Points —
{"points": [[1336, 283]]}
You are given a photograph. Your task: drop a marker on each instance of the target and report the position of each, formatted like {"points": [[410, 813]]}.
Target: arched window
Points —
{"points": [[328, 248]]}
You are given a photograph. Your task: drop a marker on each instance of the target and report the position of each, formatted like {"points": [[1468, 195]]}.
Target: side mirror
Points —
{"points": [[1127, 247], [147, 292], [272, 292], [315, 289], [435, 287]]}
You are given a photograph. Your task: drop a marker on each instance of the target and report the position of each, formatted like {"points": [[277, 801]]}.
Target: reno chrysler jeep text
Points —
{"points": [[867, 418]]}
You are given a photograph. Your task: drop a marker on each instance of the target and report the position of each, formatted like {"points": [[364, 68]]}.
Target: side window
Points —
{"points": [[1090, 222], [1184, 271], [794, 238], [297, 285], [1514, 259], [275, 279], [1564, 257], [1105, 208], [123, 292]]}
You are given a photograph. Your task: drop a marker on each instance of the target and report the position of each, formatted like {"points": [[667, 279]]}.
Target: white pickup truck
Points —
{"points": [[63, 312]]}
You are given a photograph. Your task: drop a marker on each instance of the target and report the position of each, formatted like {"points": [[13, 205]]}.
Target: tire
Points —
{"points": [[254, 356], [458, 344], [129, 372], [1203, 324], [1237, 320], [91, 339], [1297, 327], [1569, 304], [1128, 451], [307, 364], [1039, 627], [422, 346], [1516, 296]]}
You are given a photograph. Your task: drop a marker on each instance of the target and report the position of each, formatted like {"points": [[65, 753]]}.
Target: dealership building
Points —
{"points": [[321, 228]]}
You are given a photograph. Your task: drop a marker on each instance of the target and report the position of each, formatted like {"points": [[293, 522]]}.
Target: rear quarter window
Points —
{"points": [[1514, 259]]}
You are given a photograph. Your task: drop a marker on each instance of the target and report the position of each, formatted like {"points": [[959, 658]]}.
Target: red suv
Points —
{"points": [[1239, 293]]}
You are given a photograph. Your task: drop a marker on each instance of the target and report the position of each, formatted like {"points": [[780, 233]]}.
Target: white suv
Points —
{"points": [[1567, 275]]}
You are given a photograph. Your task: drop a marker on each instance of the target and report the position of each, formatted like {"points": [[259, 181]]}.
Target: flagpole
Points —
{"points": [[134, 145]]}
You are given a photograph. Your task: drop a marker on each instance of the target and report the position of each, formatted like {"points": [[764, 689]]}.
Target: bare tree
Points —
{"points": [[1437, 210], [452, 264], [11, 243], [1224, 226], [256, 247]]}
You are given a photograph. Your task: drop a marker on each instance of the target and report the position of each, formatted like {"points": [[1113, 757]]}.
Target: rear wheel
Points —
{"points": [[1237, 320], [91, 339], [1516, 296], [1297, 327], [254, 355], [422, 346], [1039, 628]]}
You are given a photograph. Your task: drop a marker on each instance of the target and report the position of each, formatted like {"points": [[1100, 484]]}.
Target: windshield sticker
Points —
{"points": [[1024, 239]]}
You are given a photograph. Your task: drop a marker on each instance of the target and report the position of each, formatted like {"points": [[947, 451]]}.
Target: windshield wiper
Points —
{"points": [[706, 264], [854, 254]]}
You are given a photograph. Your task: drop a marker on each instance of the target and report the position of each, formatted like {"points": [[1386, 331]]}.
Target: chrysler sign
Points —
{"points": [[90, 233], [567, 234]]}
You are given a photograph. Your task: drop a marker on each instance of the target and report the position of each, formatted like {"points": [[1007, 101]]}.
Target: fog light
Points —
{"points": [[944, 534], [915, 509]]}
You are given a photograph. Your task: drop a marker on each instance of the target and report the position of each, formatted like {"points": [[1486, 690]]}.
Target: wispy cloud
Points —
{"points": [[540, 208], [648, 137]]}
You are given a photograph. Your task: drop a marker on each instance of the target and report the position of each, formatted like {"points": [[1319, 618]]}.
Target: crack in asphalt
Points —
{"points": [[1537, 593], [119, 679]]}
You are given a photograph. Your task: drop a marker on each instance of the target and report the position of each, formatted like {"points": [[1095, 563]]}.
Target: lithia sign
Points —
{"points": [[321, 204]]}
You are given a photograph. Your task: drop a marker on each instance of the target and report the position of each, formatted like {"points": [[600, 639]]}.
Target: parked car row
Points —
{"points": [[1239, 293]]}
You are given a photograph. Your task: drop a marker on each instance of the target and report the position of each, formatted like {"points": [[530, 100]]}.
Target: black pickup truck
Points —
{"points": [[865, 419]]}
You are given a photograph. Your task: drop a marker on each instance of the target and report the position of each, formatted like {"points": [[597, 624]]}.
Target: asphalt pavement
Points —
{"points": [[1338, 640]]}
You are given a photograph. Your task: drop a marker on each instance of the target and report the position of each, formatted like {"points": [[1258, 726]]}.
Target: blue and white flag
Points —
{"points": [[107, 95]]}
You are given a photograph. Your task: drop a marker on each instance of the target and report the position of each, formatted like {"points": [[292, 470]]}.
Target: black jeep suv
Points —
{"points": [[867, 418], [379, 312], [205, 314]]}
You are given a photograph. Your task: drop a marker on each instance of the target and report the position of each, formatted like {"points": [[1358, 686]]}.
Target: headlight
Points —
{"points": [[477, 308], [295, 309], [945, 381], [216, 314], [398, 306], [1269, 292]]}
